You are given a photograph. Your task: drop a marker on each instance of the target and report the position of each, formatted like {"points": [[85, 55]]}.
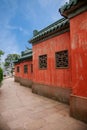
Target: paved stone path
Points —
{"points": [[20, 109]]}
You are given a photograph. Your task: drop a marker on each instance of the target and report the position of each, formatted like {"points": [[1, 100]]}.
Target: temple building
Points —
{"points": [[58, 67], [52, 69], [24, 68]]}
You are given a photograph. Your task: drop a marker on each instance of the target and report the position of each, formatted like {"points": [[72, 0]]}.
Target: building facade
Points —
{"points": [[52, 78], [59, 59], [24, 68], [76, 12]]}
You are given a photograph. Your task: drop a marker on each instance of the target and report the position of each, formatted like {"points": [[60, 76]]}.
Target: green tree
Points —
{"points": [[1, 76], [10, 59], [1, 53]]}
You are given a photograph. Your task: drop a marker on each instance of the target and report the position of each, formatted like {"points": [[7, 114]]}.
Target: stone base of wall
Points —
{"points": [[16, 79], [56, 93], [78, 107], [26, 82]]}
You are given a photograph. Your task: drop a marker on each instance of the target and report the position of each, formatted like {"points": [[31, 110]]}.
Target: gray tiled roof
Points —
{"points": [[25, 55], [68, 5], [55, 27], [26, 52], [73, 5]]}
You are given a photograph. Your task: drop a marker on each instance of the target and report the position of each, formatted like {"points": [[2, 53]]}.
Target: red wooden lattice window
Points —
{"points": [[25, 68], [31, 68], [61, 58], [18, 69], [43, 61]]}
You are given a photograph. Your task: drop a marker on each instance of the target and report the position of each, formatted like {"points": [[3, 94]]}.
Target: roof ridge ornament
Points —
{"points": [[35, 32]]}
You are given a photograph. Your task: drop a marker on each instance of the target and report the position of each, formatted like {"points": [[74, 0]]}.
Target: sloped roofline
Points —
{"points": [[52, 30], [73, 8], [26, 56]]}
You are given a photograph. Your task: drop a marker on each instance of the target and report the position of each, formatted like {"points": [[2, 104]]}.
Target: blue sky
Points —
{"points": [[18, 19]]}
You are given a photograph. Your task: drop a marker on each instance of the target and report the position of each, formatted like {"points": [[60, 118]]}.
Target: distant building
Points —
{"points": [[24, 68]]}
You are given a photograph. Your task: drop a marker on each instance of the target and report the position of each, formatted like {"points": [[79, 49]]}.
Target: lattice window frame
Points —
{"points": [[18, 69], [31, 68], [43, 61], [25, 69], [62, 59]]}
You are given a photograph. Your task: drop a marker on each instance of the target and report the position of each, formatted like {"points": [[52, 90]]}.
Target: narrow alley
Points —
{"points": [[20, 109]]}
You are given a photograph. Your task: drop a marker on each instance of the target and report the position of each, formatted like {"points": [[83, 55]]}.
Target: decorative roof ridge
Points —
{"points": [[26, 52], [15, 61], [51, 25], [70, 6], [56, 26], [25, 56]]}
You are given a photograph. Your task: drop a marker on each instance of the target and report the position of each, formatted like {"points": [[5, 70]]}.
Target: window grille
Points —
{"points": [[62, 59], [31, 68], [43, 61], [18, 69], [25, 68]]}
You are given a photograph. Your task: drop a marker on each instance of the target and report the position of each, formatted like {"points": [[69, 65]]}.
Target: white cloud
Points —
{"points": [[63, 2], [51, 6], [9, 27], [46, 3], [28, 10], [8, 42], [7, 11]]}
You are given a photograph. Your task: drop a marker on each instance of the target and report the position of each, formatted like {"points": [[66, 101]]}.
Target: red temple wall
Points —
{"points": [[17, 73], [26, 75], [52, 75], [21, 73], [78, 34]]}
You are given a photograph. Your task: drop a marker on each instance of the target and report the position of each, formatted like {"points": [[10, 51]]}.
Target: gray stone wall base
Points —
{"points": [[56, 93], [16, 79], [78, 107], [26, 82]]}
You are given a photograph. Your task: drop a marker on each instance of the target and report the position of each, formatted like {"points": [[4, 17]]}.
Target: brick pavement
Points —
{"points": [[20, 109]]}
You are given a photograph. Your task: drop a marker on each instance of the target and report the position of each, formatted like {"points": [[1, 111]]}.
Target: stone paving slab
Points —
{"points": [[20, 109]]}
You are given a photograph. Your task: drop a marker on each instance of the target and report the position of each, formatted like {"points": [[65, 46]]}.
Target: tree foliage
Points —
{"points": [[10, 59], [1, 75], [1, 52]]}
